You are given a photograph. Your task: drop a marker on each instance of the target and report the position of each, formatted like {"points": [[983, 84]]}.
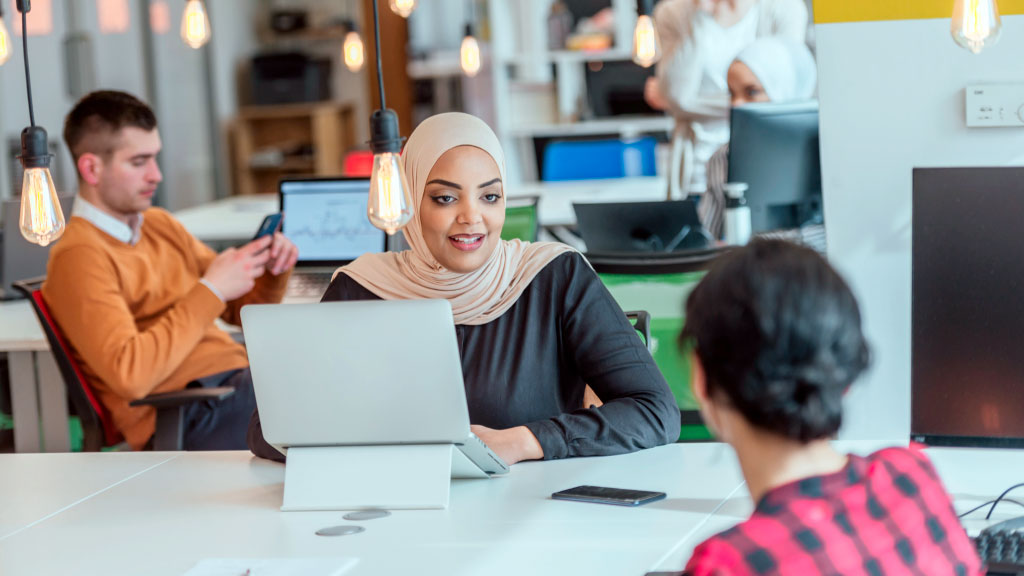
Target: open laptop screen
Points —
{"points": [[326, 219]]}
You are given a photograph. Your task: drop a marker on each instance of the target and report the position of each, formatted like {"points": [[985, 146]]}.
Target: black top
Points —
{"points": [[530, 366]]}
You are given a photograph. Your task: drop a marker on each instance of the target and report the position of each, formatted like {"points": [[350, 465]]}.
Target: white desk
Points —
{"points": [[160, 513], [233, 219], [35, 487], [36, 397], [225, 504]]}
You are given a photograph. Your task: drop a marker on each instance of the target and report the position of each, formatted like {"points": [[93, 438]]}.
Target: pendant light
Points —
{"points": [[976, 24], [5, 38], [42, 220], [195, 24], [469, 52], [646, 47], [389, 206], [352, 49], [402, 7]]}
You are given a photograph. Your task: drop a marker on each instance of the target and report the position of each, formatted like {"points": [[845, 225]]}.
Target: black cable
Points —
{"points": [[28, 78], [376, 39], [993, 502], [1001, 496]]}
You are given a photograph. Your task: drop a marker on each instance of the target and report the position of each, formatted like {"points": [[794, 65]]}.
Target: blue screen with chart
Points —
{"points": [[326, 219]]}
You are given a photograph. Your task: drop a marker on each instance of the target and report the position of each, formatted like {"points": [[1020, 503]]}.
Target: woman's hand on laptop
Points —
{"points": [[511, 445]]}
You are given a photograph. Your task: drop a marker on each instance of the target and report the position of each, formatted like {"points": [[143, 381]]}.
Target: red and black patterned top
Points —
{"points": [[884, 514]]}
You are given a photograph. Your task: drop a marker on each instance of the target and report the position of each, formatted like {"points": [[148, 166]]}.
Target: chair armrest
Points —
{"points": [[182, 397], [641, 321]]}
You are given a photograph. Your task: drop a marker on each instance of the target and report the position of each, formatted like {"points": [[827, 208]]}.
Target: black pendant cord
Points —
{"points": [[28, 78], [376, 39]]}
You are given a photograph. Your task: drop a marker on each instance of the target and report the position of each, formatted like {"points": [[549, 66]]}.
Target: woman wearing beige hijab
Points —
{"points": [[534, 323]]}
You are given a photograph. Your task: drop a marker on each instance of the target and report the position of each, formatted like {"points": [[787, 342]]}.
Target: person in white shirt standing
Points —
{"points": [[700, 39]]}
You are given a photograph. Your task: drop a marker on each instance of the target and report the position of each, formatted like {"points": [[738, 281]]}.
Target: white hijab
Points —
{"points": [[477, 297], [785, 67]]}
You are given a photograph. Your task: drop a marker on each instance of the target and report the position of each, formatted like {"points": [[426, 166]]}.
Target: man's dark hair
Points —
{"points": [[93, 123], [778, 333]]}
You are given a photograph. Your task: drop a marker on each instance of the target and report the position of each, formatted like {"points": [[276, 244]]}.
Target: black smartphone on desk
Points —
{"points": [[270, 225], [602, 495]]}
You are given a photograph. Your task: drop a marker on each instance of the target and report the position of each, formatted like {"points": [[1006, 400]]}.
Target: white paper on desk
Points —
{"points": [[272, 567]]}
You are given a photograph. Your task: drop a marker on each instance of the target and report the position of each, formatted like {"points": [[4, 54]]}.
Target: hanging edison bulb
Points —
{"points": [[469, 53], [390, 204], [646, 47], [976, 24], [353, 50], [5, 40], [195, 24], [403, 7], [42, 220]]}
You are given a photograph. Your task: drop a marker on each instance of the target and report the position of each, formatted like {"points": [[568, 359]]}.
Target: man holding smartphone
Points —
{"points": [[136, 295]]}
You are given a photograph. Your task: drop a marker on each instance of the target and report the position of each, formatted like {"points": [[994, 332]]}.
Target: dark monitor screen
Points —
{"points": [[773, 148], [967, 311], [640, 226]]}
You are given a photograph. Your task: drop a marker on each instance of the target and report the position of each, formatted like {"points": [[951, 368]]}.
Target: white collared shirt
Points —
{"points": [[107, 223]]}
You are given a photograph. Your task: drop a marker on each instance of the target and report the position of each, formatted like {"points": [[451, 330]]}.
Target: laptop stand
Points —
{"points": [[392, 477]]}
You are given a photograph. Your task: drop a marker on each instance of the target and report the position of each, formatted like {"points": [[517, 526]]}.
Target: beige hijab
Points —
{"points": [[477, 297]]}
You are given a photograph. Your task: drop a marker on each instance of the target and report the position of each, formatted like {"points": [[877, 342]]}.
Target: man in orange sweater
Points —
{"points": [[136, 295]]}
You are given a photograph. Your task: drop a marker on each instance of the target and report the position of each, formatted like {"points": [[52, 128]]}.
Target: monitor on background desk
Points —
{"points": [[774, 149], [326, 219], [967, 307]]}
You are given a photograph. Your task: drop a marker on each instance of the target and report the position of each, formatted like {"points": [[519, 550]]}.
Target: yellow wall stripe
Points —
{"points": [[833, 11]]}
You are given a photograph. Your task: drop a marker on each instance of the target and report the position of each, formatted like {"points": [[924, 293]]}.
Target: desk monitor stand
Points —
{"points": [[394, 477]]}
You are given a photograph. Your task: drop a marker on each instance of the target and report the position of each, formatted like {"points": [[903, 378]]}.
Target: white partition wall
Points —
{"points": [[892, 99]]}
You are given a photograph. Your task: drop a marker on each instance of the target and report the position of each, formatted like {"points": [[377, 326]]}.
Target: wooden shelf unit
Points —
{"points": [[324, 127]]}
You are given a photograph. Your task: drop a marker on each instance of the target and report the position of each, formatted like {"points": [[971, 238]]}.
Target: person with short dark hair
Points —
{"points": [[775, 336], [136, 295]]}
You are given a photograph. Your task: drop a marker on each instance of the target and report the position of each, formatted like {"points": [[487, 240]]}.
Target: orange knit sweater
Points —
{"points": [[137, 318]]}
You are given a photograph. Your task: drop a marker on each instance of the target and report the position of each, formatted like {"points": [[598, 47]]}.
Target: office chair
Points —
{"points": [[97, 426], [660, 283], [521, 219], [641, 322]]}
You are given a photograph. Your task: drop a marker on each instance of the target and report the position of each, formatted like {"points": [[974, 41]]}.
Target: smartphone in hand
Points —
{"points": [[270, 225], [601, 495]]}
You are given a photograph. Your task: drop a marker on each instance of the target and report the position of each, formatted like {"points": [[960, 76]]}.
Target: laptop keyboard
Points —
{"points": [[308, 284]]}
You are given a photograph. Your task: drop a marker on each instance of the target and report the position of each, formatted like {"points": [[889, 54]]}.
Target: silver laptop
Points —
{"points": [[19, 258], [326, 219], [361, 373]]}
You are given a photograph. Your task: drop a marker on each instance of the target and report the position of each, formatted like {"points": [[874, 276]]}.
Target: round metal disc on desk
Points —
{"points": [[340, 530], [366, 515]]}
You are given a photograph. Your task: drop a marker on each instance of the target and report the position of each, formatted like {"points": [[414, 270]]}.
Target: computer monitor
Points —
{"points": [[967, 312], [617, 227], [326, 219], [773, 148]]}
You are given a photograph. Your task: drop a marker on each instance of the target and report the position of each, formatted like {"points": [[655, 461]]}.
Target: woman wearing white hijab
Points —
{"points": [[699, 40], [534, 323], [773, 69]]}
